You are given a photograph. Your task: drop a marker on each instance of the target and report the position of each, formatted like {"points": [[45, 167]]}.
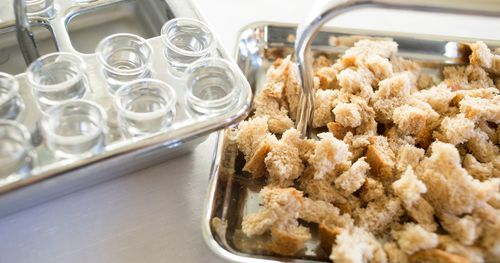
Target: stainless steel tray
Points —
{"points": [[232, 193], [53, 177]]}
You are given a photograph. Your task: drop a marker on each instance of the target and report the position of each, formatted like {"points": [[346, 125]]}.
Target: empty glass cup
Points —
{"points": [[124, 58], [211, 86], [39, 7], [56, 78], [186, 40], [11, 104], [74, 128], [16, 159], [145, 106]]}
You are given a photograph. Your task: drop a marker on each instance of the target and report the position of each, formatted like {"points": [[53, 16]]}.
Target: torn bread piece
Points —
{"points": [[283, 161], [277, 115], [456, 130], [409, 188], [394, 253], [473, 254], [478, 109], [380, 157], [408, 156], [281, 208], [466, 77], [323, 107], [338, 130], [329, 154], [351, 180], [414, 238], [450, 189], [481, 147], [379, 214], [371, 190], [250, 134], [481, 171], [392, 93], [439, 97], [348, 114], [355, 245], [464, 229]]}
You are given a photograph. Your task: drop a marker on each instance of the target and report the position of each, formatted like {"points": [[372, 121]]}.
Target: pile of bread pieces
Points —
{"points": [[406, 170]]}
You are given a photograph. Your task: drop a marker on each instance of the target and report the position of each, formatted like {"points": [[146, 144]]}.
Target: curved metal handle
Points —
{"points": [[324, 11], [24, 33]]}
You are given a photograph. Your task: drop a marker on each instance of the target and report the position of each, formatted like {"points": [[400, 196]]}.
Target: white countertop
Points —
{"points": [[154, 215]]}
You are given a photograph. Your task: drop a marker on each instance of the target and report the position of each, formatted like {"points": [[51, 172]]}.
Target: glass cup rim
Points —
{"points": [[171, 45], [54, 87], [146, 115], [73, 139], [13, 91], [21, 128], [199, 63], [105, 64]]}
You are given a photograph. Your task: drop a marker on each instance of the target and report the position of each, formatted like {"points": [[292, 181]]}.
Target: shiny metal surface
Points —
{"points": [[55, 177], [232, 193], [24, 33], [324, 11]]}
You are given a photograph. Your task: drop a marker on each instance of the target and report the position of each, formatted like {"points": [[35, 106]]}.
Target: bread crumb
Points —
{"points": [[371, 190], [456, 130], [464, 229], [449, 187], [338, 130], [356, 245], [323, 107], [408, 156], [481, 147], [351, 180], [347, 114], [466, 77], [329, 153], [250, 134], [414, 238], [480, 171], [439, 97], [379, 214], [283, 160], [409, 188], [423, 213], [394, 253], [481, 55], [481, 109], [380, 157], [287, 240], [471, 253]]}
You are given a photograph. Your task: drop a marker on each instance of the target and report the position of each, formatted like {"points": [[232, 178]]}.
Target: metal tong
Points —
{"points": [[324, 11]]}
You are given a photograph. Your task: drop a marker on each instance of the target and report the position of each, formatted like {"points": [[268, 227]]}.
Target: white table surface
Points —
{"points": [[154, 215]]}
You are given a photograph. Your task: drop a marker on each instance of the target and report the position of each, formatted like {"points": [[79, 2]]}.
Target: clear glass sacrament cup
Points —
{"points": [[145, 106], [211, 86], [75, 128], [124, 58], [186, 40], [11, 103], [56, 78], [16, 159]]}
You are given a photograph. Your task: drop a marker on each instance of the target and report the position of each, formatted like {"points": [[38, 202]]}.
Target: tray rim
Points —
{"points": [[207, 233]]}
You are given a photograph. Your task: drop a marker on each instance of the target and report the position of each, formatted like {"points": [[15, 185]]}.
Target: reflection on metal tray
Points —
{"points": [[77, 28], [232, 193]]}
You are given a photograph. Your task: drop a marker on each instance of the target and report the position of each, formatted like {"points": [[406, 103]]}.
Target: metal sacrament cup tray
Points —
{"points": [[232, 192], [165, 93]]}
